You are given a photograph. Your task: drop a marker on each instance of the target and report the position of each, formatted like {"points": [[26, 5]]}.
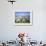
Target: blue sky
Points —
{"points": [[22, 13]]}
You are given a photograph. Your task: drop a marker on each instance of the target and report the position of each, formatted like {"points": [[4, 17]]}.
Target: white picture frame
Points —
{"points": [[24, 14]]}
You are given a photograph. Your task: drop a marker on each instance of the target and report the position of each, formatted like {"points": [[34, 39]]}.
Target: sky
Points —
{"points": [[22, 13]]}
